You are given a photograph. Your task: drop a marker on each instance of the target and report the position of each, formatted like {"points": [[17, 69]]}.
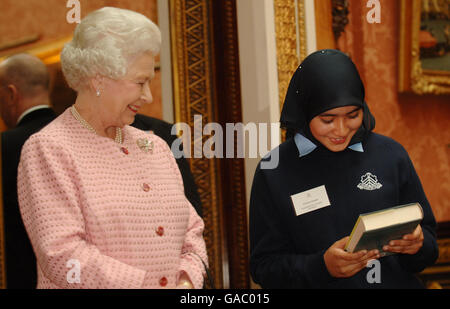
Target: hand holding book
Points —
{"points": [[409, 244], [376, 234], [342, 264], [396, 229]]}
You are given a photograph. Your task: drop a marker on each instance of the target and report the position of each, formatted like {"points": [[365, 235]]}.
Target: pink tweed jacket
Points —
{"points": [[104, 215]]}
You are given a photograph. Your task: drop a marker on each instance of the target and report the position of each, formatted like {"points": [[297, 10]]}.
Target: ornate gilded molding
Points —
{"points": [[230, 111], [290, 30], [340, 17], [412, 76], [193, 70]]}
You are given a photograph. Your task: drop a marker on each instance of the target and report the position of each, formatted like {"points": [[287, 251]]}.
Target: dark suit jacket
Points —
{"points": [[20, 259], [163, 130]]}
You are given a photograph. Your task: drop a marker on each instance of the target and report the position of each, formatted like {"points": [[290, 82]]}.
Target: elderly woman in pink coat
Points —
{"points": [[103, 203]]}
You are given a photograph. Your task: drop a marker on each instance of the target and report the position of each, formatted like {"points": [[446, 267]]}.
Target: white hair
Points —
{"points": [[105, 42]]}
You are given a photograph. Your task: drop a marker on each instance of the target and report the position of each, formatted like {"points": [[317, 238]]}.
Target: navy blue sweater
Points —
{"points": [[287, 250]]}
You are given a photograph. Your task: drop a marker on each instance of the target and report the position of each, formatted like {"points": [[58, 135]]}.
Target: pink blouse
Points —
{"points": [[104, 215]]}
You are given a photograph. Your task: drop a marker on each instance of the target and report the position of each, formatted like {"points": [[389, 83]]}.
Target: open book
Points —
{"points": [[376, 229]]}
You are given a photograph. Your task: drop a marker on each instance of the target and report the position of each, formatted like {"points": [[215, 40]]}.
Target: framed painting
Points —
{"points": [[424, 59]]}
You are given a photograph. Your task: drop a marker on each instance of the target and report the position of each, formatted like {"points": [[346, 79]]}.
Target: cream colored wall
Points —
{"points": [[258, 68], [166, 62], [310, 21]]}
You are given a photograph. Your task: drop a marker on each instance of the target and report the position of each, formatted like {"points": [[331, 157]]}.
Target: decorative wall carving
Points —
{"points": [[290, 40], [230, 111], [193, 70], [205, 61], [340, 17]]}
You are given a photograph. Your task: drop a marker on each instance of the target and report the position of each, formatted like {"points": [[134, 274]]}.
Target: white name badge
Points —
{"points": [[310, 200]]}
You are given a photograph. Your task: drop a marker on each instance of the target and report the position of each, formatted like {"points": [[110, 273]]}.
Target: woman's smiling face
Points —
{"points": [[126, 96], [336, 127]]}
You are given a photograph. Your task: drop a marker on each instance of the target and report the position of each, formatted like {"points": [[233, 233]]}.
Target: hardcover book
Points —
{"points": [[376, 229]]}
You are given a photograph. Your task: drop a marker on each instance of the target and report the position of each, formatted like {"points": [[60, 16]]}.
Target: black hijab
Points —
{"points": [[326, 79]]}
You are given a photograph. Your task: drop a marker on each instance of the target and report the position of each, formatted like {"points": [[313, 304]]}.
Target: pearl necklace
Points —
{"points": [[84, 123]]}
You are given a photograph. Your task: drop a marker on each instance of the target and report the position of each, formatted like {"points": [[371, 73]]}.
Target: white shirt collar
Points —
{"points": [[30, 110], [305, 146]]}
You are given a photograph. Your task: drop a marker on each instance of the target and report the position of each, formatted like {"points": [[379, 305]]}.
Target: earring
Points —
{"points": [[98, 93]]}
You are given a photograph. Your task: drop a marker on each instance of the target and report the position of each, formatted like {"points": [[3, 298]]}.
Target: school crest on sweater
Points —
{"points": [[369, 182]]}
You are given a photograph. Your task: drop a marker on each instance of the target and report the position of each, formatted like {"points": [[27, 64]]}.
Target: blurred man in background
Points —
{"points": [[25, 109]]}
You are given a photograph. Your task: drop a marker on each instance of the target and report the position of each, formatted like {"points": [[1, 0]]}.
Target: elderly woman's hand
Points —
{"points": [[184, 282]]}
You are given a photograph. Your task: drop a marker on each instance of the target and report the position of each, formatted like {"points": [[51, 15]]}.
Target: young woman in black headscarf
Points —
{"points": [[332, 168]]}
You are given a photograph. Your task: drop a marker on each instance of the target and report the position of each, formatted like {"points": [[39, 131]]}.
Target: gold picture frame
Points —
{"points": [[423, 50]]}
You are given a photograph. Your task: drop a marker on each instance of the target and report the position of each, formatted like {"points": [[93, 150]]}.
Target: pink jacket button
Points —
{"points": [[160, 231], [163, 281]]}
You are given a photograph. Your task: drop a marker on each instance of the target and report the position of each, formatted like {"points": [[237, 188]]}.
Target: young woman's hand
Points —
{"points": [[409, 244], [341, 264]]}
